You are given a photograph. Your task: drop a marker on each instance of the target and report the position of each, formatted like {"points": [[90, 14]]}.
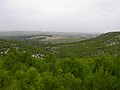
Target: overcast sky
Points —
{"points": [[60, 15]]}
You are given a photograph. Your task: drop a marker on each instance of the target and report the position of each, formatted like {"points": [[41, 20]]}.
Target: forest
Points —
{"points": [[92, 64]]}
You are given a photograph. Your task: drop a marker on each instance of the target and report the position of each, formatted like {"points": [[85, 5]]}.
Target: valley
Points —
{"points": [[59, 61]]}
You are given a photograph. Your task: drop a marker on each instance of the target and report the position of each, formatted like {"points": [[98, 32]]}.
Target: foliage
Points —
{"points": [[72, 68], [20, 71]]}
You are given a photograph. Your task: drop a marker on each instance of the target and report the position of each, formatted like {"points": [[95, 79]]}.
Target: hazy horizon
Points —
{"points": [[84, 16]]}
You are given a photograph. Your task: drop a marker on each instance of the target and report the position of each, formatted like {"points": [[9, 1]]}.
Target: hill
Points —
{"points": [[92, 64], [108, 43]]}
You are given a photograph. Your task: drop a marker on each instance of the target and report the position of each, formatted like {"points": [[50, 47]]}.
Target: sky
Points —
{"points": [[60, 15]]}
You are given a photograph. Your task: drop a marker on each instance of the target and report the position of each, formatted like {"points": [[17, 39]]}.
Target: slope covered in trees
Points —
{"points": [[63, 69], [108, 43]]}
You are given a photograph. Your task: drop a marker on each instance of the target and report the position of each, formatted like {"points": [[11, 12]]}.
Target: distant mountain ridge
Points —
{"points": [[20, 33]]}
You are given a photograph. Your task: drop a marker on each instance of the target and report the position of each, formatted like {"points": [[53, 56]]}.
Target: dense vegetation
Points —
{"points": [[75, 66], [108, 43]]}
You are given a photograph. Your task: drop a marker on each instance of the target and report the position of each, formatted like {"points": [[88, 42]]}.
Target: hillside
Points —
{"points": [[92, 64], [108, 43]]}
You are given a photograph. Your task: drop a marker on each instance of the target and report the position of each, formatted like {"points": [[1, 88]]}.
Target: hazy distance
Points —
{"points": [[60, 15]]}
